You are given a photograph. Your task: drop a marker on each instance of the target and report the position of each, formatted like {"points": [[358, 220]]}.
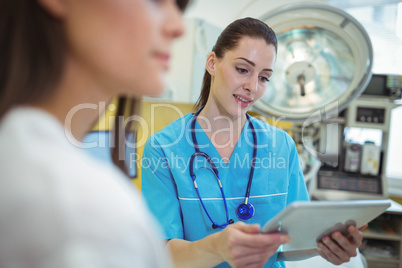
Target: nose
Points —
{"points": [[174, 26], [251, 84]]}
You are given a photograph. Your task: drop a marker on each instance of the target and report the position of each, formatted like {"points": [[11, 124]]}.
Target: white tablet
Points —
{"points": [[308, 222]]}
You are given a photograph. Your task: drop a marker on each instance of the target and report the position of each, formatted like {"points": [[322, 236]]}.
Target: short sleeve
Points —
{"points": [[159, 189]]}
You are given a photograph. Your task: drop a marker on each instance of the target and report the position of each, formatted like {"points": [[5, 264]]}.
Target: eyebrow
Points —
{"points": [[253, 64]]}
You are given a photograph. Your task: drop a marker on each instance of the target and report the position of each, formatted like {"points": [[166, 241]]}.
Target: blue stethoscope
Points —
{"points": [[245, 210]]}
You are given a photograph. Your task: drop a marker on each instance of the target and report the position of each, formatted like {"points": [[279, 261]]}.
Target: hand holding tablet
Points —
{"points": [[308, 222]]}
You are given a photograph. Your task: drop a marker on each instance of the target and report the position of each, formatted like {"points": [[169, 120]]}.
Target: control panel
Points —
{"points": [[370, 115]]}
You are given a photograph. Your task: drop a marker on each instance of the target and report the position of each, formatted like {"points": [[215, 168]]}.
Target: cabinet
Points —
{"points": [[382, 243]]}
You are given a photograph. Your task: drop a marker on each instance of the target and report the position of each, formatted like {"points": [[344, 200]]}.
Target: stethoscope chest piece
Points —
{"points": [[245, 211]]}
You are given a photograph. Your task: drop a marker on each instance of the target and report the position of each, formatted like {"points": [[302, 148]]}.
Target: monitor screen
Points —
{"points": [[377, 86]]}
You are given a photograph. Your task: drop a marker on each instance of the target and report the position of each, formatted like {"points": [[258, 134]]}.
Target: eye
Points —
{"points": [[264, 79], [241, 70]]}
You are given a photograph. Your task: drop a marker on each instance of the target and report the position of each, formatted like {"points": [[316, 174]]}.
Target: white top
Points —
{"points": [[61, 208]]}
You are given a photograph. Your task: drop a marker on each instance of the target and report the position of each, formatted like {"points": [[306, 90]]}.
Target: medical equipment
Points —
{"points": [[371, 154], [367, 119], [324, 56], [245, 210], [352, 157]]}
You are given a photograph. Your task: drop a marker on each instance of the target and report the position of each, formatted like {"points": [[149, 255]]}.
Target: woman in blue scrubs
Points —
{"points": [[208, 174]]}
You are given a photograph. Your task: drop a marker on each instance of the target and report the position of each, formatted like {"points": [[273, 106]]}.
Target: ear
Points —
{"points": [[57, 8], [211, 63]]}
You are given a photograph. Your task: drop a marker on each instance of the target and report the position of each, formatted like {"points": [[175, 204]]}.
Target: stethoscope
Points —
{"points": [[245, 210]]}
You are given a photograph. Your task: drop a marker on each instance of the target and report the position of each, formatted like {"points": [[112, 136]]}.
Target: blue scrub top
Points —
{"points": [[169, 190]]}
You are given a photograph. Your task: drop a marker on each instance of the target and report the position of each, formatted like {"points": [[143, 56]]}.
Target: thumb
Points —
{"points": [[247, 228]]}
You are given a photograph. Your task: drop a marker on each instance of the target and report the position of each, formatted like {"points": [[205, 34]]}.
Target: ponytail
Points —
{"points": [[206, 86]]}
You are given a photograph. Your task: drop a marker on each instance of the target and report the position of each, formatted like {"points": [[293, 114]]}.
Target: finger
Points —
{"points": [[348, 245], [248, 257], [241, 251], [247, 236], [247, 228], [248, 261], [262, 240], [356, 235], [327, 254], [336, 249], [255, 259], [321, 251]]}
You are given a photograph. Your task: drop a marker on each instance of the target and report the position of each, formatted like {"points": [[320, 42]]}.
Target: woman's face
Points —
{"points": [[123, 44], [241, 77]]}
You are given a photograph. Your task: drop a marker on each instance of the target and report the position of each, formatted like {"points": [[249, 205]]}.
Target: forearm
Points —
{"points": [[297, 255], [201, 253]]}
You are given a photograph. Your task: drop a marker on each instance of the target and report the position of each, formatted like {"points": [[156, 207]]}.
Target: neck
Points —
{"points": [[77, 101], [221, 128]]}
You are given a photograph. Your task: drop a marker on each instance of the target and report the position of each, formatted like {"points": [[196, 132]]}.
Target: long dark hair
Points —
{"points": [[32, 57], [32, 49], [229, 39]]}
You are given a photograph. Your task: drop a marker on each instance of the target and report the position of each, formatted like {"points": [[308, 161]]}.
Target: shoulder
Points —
{"points": [[271, 133], [37, 151], [177, 126], [64, 191], [172, 133]]}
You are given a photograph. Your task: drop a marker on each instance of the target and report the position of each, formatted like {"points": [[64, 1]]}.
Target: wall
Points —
{"points": [[157, 115]]}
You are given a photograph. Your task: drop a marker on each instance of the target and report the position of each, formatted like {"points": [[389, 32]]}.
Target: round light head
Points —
{"points": [[324, 58]]}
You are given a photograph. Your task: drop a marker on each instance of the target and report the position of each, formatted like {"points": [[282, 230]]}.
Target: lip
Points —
{"points": [[164, 58], [243, 97], [243, 104]]}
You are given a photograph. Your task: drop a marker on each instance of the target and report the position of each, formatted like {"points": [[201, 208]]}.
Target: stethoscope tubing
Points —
{"points": [[197, 153]]}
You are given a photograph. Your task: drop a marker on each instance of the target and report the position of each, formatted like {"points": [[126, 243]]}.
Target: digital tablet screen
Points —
{"points": [[308, 222]]}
